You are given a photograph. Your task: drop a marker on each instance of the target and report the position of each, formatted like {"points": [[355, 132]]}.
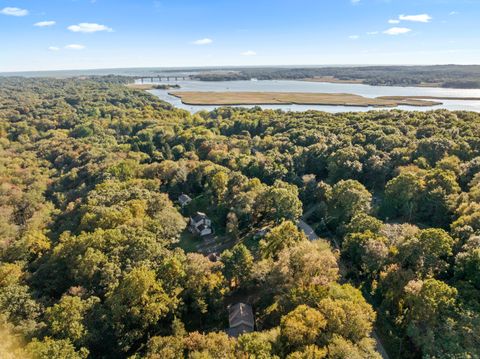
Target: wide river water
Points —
{"points": [[322, 87]]}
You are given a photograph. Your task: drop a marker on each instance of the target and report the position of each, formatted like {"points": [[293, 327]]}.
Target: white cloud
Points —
{"points": [[397, 31], [54, 48], [44, 23], [355, 1], [394, 21], [88, 28], [14, 11], [75, 47], [372, 33], [205, 41], [453, 13], [354, 37], [249, 53], [416, 18]]}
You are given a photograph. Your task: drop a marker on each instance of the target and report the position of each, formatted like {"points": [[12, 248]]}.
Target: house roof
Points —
{"points": [[183, 198], [202, 227], [239, 330], [240, 316], [199, 216]]}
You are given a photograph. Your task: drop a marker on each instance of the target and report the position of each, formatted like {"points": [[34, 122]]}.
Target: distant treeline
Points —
{"points": [[450, 76]]}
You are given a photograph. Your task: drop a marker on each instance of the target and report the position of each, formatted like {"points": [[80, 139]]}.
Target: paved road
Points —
{"points": [[310, 233]]}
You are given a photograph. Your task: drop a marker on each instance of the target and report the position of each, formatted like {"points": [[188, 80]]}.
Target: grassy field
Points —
{"points": [[298, 98]]}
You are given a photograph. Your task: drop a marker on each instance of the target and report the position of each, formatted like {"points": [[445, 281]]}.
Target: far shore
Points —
{"points": [[298, 98], [146, 87], [334, 80]]}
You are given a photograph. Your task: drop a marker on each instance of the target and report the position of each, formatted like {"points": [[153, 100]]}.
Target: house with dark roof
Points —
{"points": [[184, 200], [240, 319], [200, 224]]}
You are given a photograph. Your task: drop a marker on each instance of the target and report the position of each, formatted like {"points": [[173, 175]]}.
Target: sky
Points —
{"points": [[40, 35]]}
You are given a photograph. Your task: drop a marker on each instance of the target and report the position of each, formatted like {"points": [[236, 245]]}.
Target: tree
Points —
{"points": [[402, 195], [279, 202], [238, 265], [204, 286], [301, 327], [363, 222], [136, 304], [467, 262], [284, 235], [211, 345], [428, 252], [54, 349], [345, 163], [257, 345], [347, 314], [171, 347], [309, 352], [429, 305], [340, 348], [367, 251], [440, 189], [347, 199], [66, 319], [303, 265], [218, 185]]}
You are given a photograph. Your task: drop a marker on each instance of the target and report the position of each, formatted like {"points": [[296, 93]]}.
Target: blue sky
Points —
{"points": [[86, 34]]}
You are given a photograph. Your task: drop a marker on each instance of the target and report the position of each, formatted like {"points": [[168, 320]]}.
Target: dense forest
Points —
{"points": [[96, 260], [449, 76]]}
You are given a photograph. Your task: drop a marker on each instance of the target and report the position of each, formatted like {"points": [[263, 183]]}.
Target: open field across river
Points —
{"points": [[298, 98]]}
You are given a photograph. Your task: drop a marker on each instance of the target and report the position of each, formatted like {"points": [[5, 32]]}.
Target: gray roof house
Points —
{"points": [[184, 200], [241, 319], [200, 224]]}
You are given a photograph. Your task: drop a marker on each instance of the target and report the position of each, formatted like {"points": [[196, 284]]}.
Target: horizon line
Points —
{"points": [[228, 67]]}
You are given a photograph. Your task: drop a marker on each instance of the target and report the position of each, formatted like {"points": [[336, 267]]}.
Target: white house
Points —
{"points": [[200, 224]]}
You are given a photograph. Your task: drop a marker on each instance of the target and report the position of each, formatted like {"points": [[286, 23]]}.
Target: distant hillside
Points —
{"points": [[449, 76]]}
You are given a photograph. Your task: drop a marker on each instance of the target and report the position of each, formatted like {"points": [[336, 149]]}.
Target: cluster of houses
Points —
{"points": [[199, 223], [240, 315]]}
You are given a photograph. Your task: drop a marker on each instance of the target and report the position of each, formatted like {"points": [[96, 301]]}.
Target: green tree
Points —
{"points": [[238, 265], [136, 304], [66, 319], [429, 305], [301, 327], [54, 349], [257, 345], [284, 235], [402, 196], [428, 252], [347, 199], [279, 202]]}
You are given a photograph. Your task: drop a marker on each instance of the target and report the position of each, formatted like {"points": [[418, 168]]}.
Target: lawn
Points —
{"points": [[189, 242]]}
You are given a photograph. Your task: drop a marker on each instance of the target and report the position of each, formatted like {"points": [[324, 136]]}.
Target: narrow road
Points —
{"points": [[310, 233]]}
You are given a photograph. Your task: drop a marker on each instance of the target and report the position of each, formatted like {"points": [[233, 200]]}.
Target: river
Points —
{"points": [[322, 87]]}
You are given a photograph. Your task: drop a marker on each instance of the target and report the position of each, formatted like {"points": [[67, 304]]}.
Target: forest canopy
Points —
{"points": [[96, 259]]}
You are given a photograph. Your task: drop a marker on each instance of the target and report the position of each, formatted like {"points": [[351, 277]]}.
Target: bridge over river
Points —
{"points": [[163, 78]]}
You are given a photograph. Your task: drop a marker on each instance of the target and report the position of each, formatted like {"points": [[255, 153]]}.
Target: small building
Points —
{"points": [[261, 233], [240, 319], [184, 200], [200, 224], [213, 257]]}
